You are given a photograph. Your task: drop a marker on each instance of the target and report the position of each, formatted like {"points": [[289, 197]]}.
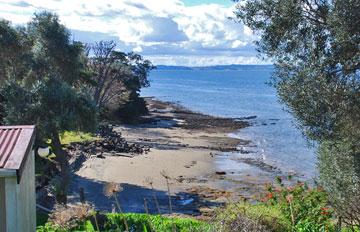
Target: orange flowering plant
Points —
{"points": [[305, 207]]}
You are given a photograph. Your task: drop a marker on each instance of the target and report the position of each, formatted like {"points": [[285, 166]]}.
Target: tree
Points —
{"points": [[315, 46], [135, 106], [15, 55], [48, 94], [117, 76], [109, 72]]}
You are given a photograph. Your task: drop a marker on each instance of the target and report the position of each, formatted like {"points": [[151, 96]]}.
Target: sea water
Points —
{"points": [[241, 92]]}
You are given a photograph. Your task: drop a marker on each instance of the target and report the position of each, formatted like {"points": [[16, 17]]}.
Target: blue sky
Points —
{"points": [[170, 32]]}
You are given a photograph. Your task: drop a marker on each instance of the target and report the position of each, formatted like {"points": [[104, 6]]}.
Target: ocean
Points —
{"points": [[241, 92]]}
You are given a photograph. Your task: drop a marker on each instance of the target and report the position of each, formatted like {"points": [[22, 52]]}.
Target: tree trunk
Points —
{"points": [[63, 165]]}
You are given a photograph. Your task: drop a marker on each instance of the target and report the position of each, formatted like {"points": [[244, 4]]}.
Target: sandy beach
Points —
{"points": [[184, 145]]}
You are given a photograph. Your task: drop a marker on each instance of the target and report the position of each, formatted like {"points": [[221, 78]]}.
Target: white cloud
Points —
{"points": [[238, 43], [163, 30]]}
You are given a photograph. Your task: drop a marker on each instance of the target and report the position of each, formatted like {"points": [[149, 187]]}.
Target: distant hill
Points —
{"points": [[216, 67]]}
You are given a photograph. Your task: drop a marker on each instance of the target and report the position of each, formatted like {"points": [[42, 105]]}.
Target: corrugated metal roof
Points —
{"points": [[15, 144]]}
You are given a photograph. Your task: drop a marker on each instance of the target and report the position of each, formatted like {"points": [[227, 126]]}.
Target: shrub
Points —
{"points": [[243, 216], [305, 208], [132, 109], [339, 166], [65, 218], [144, 222], [137, 223], [283, 208]]}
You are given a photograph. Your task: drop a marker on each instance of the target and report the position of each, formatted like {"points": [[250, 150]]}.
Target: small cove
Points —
{"points": [[276, 146]]}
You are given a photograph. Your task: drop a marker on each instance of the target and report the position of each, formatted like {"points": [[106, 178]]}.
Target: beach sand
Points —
{"points": [[183, 146]]}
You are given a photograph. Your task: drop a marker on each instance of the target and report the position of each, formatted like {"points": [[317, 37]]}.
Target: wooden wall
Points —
{"points": [[2, 205], [20, 202]]}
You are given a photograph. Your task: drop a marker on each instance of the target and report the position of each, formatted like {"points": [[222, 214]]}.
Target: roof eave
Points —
{"points": [[8, 173]]}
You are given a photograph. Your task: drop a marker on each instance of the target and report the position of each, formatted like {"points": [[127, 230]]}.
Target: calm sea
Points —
{"points": [[243, 92]]}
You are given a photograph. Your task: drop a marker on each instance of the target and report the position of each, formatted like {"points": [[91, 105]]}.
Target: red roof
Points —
{"points": [[15, 144]]}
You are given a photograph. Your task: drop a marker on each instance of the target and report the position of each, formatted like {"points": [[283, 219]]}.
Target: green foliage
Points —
{"points": [[15, 52], [132, 109], [306, 208], [137, 223], [339, 174], [76, 137], [46, 94], [41, 218], [117, 79], [316, 53], [52, 105], [45, 91], [348, 229], [294, 208], [84, 226], [54, 54], [15, 57], [140, 68], [255, 217]]}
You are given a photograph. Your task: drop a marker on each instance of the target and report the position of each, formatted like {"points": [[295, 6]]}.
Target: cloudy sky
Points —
{"points": [[170, 32]]}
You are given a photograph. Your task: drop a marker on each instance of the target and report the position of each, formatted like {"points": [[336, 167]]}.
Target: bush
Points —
{"points": [[306, 208], [339, 174], [144, 222], [131, 110], [136, 222], [293, 208], [243, 216]]}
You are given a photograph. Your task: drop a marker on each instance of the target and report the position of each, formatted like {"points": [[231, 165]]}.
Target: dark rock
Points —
{"points": [[100, 156], [110, 142], [220, 173]]}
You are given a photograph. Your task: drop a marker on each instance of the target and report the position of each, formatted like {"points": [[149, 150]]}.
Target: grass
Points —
{"points": [[270, 216], [76, 137], [69, 137], [137, 223]]}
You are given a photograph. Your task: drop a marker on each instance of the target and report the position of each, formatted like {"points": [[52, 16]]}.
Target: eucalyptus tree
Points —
{"points": [[47, 91], [15, 55], [109, 72], [315, 47], [116, 76]]}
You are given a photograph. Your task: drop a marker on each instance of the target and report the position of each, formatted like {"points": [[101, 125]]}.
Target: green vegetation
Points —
{"points": [[294, 208], [257, 216], [315, 49], [46, 91], [53, 82], [137, 222], [305, 208], [41, 218], [76, 137], [120, 76]]}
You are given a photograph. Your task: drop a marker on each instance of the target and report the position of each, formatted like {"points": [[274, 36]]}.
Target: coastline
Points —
{"points": [[186, 146]]}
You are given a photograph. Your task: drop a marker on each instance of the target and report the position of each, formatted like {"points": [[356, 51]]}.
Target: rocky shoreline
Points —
{"points": [[184, 144]]}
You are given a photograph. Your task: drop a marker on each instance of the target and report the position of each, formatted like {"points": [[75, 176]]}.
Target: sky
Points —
{"points": [[168, 32]]}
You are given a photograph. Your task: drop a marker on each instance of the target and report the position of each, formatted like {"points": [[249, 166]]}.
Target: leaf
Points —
{"points": [[144, 228]]}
